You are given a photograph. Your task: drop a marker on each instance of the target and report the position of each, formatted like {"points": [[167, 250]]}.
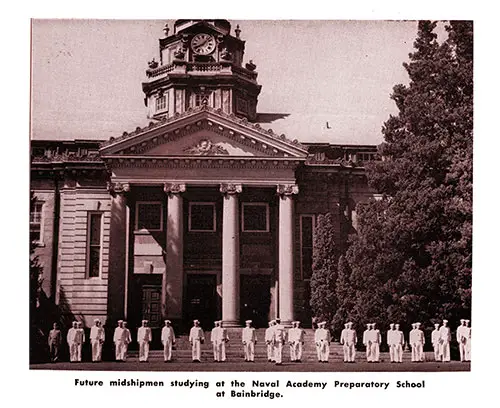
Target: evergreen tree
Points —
{"points": [[412, 257], [324, 269]]}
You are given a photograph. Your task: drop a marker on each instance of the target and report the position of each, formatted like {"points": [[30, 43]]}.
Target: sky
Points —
{"points": [[333, 79]]}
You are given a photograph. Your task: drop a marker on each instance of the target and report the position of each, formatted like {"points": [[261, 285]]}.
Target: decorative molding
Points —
{"points": [[205, 147], [230, 189], [174, 188], [115, 188], [284, 190]]}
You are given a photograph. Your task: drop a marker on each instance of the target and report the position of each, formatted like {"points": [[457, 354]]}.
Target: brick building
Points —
{"points": [[204, 212]]}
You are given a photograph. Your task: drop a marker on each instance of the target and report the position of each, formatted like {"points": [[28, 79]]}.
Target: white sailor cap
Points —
{"points": [[248, 321], [323, 323], [414, 325], [196, 321], [368, 324], [467, 321], [436, 324], [124, 321], [346, 325], [462, 320], [144, 321], [397, 325], [445, 321], [391, 325], [168, 321], [373, 324], [418, 324], [97, 320]]}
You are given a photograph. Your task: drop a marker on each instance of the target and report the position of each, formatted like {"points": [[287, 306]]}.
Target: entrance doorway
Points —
{"points": [[201, 299], [151, 304], [255, 299]]}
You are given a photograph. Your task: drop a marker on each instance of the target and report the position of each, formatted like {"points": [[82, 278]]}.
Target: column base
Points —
{"points": [[231, 323]]}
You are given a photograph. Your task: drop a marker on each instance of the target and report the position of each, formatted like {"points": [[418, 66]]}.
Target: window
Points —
{"points": [[94, 239], [306, 245], [255, 217], [149, 216], [36, 222], [161, 103], [202, 217]]}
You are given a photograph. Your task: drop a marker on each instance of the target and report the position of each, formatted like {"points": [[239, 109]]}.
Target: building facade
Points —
{"points": [[203, 213]]}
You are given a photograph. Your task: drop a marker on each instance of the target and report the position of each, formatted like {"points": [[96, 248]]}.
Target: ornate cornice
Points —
{"points": [[174, 188], [230, 189], [284, 190], [116, 187]]}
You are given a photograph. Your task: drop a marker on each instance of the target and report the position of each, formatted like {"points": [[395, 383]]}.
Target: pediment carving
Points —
{"points": [[205, 147]]}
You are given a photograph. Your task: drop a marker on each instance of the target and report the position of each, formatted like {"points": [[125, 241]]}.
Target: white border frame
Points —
{"points": [[136, 223], [101, 245], [193, 203], [313, 217], [254, 204]]}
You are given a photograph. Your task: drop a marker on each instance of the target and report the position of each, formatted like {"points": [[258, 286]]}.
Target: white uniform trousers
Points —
{"points": [[249, 349], [96, 350], [73, 352], [368, 352], [196, 349], [445, 351], [167, 350], [119, 345], [462, 347], [419, 351], [79, 352], [323, 350], [437, 352], [375, 352], [399, 353], [219, 348], [349, 352], [414, 353], [270, 351], [296, 350], [278, 352], [392, 353], [467, 350], [143, 350]]}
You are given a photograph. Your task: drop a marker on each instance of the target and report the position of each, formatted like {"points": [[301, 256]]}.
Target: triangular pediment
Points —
{"points": [[203, 132]]}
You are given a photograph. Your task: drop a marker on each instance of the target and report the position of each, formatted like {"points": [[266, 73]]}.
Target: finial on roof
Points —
{"points": [[166, 29], [237, 31]]}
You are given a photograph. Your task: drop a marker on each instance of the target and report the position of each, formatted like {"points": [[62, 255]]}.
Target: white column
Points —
{"points": [[172, 281], [230, 255], [286, 251]]}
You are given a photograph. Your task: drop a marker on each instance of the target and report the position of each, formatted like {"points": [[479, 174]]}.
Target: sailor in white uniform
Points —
{"points": [[79, 340], [419, 342], [367, 342], [348, 339], [219, 337], [376, 340], [224, 340], [296, 342], [279, 336], [118, 340], [468, 335], [196, 338], [269, 339], [72, 344], [127, 339], [444, 341], [412, 340], [249, 338], [462, 334], [144, 337], [400, 341], [392, 340], [97, 337], [168, 340], [435, 336], [322, 340]]}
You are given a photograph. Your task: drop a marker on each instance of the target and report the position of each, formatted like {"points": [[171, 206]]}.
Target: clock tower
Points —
{"points": [[201, 63]]}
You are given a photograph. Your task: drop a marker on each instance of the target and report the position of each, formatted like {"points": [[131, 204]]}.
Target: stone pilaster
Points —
{"points": [[172, 280], [230, 255], [286, 252], [118, 251]]}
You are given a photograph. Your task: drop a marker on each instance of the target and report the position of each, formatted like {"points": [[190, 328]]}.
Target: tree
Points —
{"points": [[412, 257], [324, 269]]}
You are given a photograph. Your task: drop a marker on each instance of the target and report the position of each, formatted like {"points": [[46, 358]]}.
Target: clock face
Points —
{"points": [[203, 44]]}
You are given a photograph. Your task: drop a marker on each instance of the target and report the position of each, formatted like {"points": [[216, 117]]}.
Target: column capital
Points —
{"points": [[287, 189], [229, 188], [117, 187], [174, 188]]}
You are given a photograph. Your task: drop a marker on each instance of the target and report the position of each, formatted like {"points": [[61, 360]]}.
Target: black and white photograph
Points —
{"points": [[251, 195]]}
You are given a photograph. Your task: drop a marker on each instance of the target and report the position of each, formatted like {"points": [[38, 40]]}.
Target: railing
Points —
{"points": [[204, 67], [163, 69]]}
